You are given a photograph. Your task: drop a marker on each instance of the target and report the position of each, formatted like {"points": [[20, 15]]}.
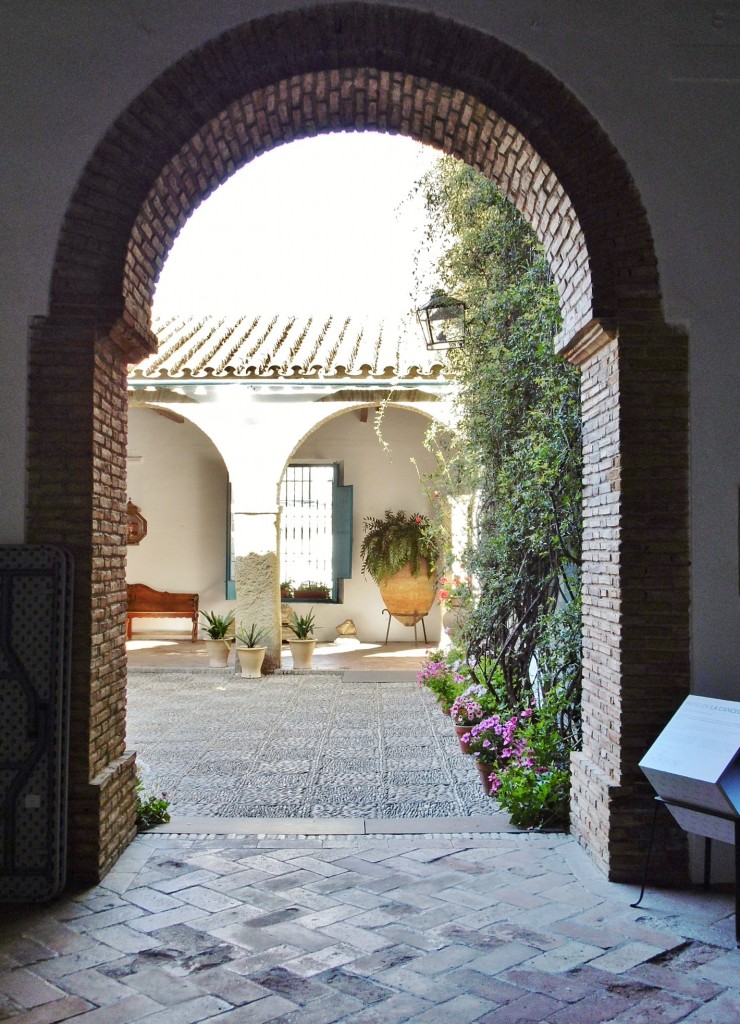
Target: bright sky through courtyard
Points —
{"points": [[319, 225]]}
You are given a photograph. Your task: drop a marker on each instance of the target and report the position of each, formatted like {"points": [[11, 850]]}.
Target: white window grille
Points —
{"points": [[307, 542]]}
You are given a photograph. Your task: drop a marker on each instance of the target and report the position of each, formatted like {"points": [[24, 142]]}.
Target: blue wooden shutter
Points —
{"points": [[342, 531], [229, 573]]}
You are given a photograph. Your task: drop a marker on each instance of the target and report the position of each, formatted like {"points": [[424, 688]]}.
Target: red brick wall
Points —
{"points": [[361, 67], [635, 582]]}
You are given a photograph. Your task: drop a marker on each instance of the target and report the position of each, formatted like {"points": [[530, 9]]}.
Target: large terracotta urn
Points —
{"points": [[408, 598]]}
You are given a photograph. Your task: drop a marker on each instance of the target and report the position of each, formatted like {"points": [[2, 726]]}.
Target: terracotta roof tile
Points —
{"points": [[274, 346]]}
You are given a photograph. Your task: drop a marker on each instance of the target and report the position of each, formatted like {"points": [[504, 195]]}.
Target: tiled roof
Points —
{"points": [[285, 347]]}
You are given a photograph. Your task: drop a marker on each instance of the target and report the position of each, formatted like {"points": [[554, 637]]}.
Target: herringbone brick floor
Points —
{"points": [[497, 929]]}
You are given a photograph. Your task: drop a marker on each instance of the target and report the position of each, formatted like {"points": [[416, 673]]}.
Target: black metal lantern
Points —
{"points": [[442, 321]]}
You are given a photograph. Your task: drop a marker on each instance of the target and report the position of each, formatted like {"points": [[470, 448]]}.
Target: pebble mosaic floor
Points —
{"points": [[298, 746]]}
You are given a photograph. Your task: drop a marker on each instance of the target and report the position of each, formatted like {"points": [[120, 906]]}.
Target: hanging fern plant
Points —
{"points": [[397, 539]]}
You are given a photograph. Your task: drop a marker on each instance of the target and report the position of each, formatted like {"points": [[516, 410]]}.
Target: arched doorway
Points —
{"points": [[359, 68]]}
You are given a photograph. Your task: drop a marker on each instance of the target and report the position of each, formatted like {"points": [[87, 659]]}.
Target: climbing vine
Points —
{"points": [[518, 445]]}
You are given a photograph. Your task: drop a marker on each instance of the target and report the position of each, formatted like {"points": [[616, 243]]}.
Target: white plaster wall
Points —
{"points": [[178, 479], [380, 481], [660, 77]]}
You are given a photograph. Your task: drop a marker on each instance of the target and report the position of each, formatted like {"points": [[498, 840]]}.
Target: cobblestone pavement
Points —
{"points": [[298, 746], [497, 929]]}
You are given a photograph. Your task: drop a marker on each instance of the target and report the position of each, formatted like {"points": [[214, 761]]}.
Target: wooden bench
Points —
{"points": [[146, 603]]}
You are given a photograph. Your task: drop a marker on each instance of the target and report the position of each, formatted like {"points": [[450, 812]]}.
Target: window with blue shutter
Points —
{"points": [[316, 533]]}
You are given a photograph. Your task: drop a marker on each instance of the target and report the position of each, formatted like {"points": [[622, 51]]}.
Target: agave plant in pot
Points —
{"points": [[218, 644], [250, 650], [400, 552], [303, 643]]}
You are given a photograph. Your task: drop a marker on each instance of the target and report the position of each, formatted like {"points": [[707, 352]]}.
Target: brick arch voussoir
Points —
{"points": [[362, 99], [95, 274]]}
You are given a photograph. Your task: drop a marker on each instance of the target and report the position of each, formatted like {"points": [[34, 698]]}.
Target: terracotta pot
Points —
{"points": [[460, 731], [250, 660], [408, 598], [218, 652], [302, 651], [484, 770]]}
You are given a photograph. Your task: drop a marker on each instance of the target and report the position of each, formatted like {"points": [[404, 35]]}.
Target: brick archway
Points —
{"points": [[370, 67]]}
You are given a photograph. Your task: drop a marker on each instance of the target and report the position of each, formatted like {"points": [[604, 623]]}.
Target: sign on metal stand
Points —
{"points": [[694, 766]]}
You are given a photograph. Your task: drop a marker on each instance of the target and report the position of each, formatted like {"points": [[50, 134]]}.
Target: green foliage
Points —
{"points": [[399, 537], [252, 636], [518, 447], [302, 625], [151, 810], [286, 589], [535, 799], [519, 438], [217, 626]]}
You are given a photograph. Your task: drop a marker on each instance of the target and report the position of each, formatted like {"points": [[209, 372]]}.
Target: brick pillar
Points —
{"points": [[635, 587], [77, 499]]}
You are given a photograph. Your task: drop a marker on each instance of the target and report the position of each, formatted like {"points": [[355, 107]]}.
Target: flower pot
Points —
{"points": [[484, 770], [218, 652], [302, 652], [460, 731], [250, 661], [408, 598]]}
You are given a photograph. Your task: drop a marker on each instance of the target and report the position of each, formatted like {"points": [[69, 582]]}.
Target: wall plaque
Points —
{"points": [[136, 525]]}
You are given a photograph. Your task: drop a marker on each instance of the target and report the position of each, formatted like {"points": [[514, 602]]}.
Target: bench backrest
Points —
{"points": [[144, 598]]}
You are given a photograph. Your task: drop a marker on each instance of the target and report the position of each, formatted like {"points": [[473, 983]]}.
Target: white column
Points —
{"points": [[258, 577]]}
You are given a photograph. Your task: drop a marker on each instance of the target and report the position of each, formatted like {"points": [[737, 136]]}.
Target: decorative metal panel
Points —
{"points": [[35, 620]]}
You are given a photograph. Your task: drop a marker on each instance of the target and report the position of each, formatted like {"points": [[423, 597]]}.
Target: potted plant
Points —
{"points": [[311, 591], [217, 643], [251, 653], [493, 742], [465, 712], [303, 644], [445, 678], [456, 596], [399, 551]]}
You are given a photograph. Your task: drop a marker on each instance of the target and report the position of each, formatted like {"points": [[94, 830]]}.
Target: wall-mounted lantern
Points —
{"points": [[442, 321]]}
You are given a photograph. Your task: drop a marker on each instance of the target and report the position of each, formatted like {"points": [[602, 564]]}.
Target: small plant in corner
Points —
{"points": [[302, 625], [151, 810], [217, 626], [252, 636]]}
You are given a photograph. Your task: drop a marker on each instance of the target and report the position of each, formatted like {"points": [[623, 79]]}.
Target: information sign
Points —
{"points": [[696, 761]]}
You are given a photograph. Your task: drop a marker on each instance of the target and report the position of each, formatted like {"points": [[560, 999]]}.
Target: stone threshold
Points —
{"points": [[192, 825]]}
